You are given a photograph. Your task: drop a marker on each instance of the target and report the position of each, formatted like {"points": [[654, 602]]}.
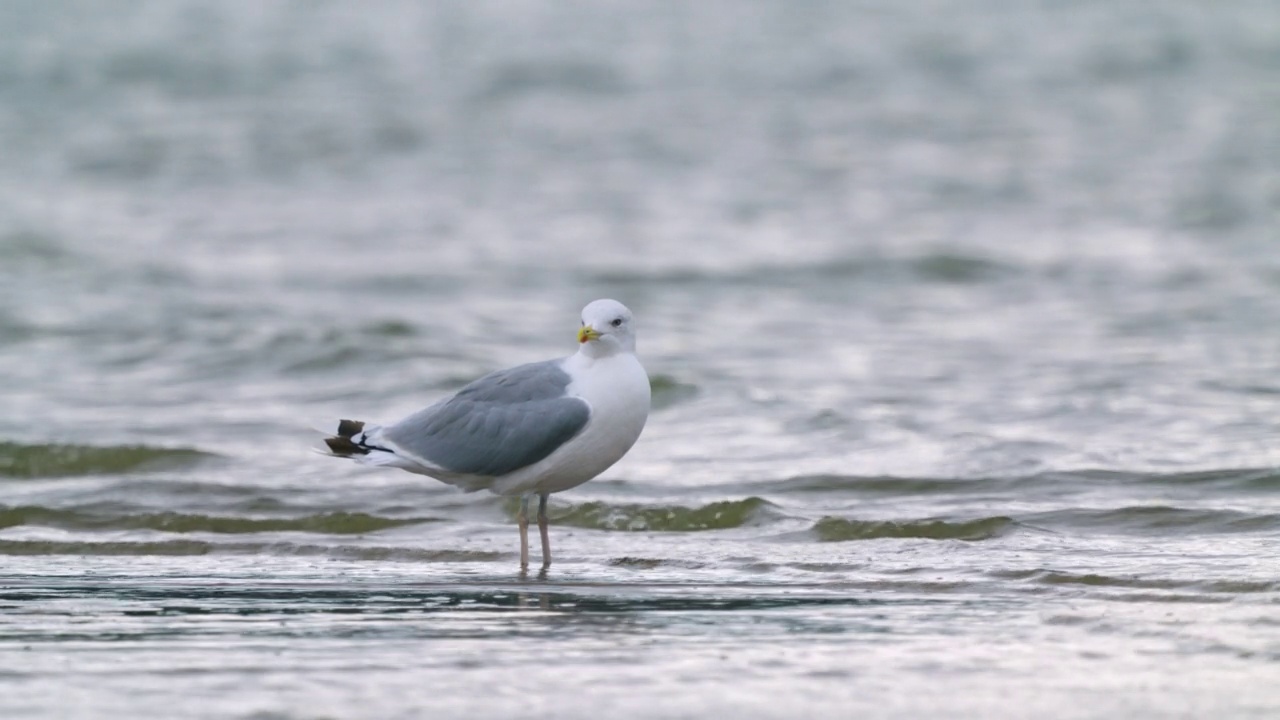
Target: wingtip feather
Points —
{"points": [[342, 444]]}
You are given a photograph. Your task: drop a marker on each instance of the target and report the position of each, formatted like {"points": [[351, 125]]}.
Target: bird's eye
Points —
{"points": [[616, 322]]}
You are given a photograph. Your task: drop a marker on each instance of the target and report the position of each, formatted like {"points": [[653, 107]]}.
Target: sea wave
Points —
{"points": [[334, 523], [59, 460], [942, 267], [664, 518], [1158, 518], [1226, 479], [1135, 582], [181, 547], [834, 529], [668, 391]]}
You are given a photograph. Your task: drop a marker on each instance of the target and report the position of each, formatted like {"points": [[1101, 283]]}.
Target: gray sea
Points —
{"points": [[962, 318]]}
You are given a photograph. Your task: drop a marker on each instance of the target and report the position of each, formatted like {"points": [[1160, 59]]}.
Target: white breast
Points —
{"points": [[617, 389]]}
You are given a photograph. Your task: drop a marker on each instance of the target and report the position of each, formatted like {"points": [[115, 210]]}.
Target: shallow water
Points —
{"points": [[961, 319]]}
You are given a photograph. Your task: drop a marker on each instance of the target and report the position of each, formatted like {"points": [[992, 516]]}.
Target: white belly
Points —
{"points": [[617, 389]]}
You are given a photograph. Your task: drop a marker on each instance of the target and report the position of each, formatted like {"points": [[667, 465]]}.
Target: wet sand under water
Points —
{"points": [[255, 636]]}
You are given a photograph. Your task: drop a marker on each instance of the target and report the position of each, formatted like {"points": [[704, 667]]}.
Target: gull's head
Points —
{"points": [[607, 328]]}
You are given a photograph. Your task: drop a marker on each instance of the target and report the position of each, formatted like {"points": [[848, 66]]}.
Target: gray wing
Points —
{"points": [[497, 424]]}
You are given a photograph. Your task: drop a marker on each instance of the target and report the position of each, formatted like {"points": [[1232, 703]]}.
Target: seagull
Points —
{"points": [[533, 429]]}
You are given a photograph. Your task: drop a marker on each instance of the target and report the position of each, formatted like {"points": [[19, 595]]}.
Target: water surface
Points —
{"points": [[961, 318]]}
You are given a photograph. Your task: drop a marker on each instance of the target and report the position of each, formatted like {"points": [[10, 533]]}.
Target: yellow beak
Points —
{"points": [[586, 332]]}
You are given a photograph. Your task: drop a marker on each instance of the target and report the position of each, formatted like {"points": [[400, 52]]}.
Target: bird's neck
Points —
{"points": [[592, 352]]}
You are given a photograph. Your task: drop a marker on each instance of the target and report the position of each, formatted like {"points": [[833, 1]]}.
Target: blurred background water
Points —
{"points": [[961, 318]]}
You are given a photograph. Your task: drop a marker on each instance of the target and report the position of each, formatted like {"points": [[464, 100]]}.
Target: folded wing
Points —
{"points": [[496, 425]]}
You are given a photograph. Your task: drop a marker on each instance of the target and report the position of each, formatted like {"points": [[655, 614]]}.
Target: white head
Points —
{"points": [[607, 328]]}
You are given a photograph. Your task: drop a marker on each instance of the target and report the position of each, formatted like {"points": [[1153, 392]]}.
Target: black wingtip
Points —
{"points": [[341, 444], [344, 447], [349, 428]]}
